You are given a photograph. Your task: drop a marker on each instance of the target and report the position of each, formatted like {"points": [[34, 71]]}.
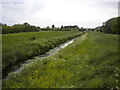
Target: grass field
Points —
{"points": [[22, 46], [90, 62]]}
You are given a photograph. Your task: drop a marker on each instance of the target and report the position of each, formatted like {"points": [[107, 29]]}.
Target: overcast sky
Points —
{"points": [[84, 13]]}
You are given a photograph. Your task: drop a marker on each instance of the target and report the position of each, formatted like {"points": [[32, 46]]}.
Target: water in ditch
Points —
{"points": [[49, 53]]}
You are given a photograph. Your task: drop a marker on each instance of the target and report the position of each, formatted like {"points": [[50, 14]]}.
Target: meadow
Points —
{"points": [[91, 61], [22, 46]]}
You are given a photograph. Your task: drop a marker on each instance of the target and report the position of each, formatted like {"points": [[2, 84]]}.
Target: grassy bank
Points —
{"points": [[90, 62], [20, 47]]}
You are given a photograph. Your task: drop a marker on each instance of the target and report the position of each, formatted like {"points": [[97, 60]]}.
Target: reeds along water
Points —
{"points": [[20, 51]]}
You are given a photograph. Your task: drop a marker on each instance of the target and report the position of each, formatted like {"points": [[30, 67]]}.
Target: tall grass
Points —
{"points": [[92, 61], [20, 47]]}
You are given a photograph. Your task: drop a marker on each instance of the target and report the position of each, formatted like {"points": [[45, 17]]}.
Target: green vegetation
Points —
{"points": [[22, 46], [90, 62], [25, 27], [62, 28], [111, 26]]}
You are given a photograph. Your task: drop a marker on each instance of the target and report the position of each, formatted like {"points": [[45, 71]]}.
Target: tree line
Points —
{"points": [[111, 26], [26, 27]]}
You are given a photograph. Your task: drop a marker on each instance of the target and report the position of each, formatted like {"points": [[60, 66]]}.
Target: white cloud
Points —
{"points": [[87, 13]]}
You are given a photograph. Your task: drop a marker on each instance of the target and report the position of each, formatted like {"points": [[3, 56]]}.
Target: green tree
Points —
{"points": [[27, 24], [112, 26], [53, 26]]}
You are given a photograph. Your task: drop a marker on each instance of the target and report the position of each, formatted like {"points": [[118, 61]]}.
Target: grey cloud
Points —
{"points": [[16, 11], [119, 8], [21, 6], [36, 12], [103, 5], [12, 1]]}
